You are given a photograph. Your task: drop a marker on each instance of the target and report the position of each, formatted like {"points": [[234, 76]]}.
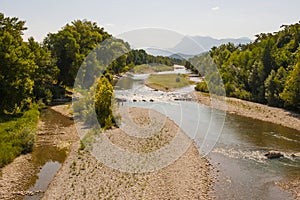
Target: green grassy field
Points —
{"points": [[167, 82], [146, 69], [17, 135]]}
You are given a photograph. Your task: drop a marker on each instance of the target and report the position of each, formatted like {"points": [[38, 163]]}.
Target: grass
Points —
{"points": [[146, 69], [167, 82], [88, 140], [17, 134]]}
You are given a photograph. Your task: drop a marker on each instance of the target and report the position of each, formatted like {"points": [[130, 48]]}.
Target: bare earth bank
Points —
{"points": [[83, 177], [15, 176], [188, 178], [255, 111]]}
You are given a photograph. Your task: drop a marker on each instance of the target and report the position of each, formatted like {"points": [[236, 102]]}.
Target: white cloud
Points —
{"points": [[215, 8]]}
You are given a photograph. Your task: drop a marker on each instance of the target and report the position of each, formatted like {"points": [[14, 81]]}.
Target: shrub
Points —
{"points": [[202, 87], [17, 134]]}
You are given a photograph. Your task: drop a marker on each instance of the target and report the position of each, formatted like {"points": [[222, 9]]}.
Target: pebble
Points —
{"points": [[28, 193]]}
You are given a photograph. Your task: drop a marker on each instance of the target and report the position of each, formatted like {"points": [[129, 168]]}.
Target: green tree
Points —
{"points": [[258, 71], [72, 44], [267, 58], [45, 75], [271, 87], [103, 103], [17, 66], [274, 86], [291, 92]]}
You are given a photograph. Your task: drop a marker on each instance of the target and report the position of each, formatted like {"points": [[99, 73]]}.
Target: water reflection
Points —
{"points": [[245, 173], [46, 157], [124, 83], [262, 135]]}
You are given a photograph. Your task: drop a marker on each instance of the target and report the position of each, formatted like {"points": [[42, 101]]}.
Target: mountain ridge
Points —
{"points": [[190, 46], [195, 45]]}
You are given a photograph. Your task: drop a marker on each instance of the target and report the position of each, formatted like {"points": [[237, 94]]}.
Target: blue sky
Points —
{"points": [[216, 18]]}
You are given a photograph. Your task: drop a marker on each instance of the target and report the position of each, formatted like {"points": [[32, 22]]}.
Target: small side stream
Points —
{"points": [[47, 158]]}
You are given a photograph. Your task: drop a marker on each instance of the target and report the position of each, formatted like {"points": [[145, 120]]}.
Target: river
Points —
{"points": [[235, 145], [238, 143], [47, 158]]}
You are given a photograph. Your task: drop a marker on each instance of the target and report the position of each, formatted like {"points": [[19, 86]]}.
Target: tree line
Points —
{"points": [[34, 72], [31, 71], [265, 71]]}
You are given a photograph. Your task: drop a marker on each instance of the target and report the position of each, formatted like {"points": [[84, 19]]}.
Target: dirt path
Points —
{"points": [[83, 177]]}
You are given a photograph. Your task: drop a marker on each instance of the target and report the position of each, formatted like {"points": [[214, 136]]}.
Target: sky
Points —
{"points": [[215, 18]]}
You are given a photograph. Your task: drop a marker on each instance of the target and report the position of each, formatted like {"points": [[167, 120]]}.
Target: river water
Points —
{"points": [[235, 145], [47, 158]]}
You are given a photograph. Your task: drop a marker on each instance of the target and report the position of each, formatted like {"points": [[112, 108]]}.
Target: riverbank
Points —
{"points": [[15, 176], [167, 82], [255, 111], [264, 113], [83, 177], [293, 186], [147, 69], [18, 176], [17, 134]]}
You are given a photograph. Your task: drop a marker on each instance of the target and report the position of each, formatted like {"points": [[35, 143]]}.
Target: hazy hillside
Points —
{"points": [[189, 46], [194, 45]]}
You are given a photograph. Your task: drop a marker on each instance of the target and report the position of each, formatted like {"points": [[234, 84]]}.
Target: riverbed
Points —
{"points": [[235, 145], [48, 152], [28, 176]]}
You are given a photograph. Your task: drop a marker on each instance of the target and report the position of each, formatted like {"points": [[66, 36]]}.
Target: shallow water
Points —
{"points": [[46, 157], [245, 173], [236, 145]]}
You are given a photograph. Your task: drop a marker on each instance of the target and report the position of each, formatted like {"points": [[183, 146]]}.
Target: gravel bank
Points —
{"points": [[255, 111], [84, 177]]}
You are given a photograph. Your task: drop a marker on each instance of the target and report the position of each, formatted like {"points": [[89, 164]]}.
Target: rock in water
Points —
{"points": [[296, 155], [274, 154]]}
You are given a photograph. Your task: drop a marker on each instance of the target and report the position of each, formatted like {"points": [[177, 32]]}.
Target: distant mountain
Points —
{"points": [[158, 52], [166, 53], [194, 45], [181, 56], [190, 46]]}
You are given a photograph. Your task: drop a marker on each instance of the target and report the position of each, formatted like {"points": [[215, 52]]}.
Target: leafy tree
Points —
{"points": [[274, 86], [262, 71], [271, 92], [72, 44], [255, 82], [267, 57], [45, 76], [17, 65], [291, 92], [103, 103]]}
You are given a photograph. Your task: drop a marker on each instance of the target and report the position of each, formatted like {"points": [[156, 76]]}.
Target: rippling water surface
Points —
{"points": [[239, 143]]}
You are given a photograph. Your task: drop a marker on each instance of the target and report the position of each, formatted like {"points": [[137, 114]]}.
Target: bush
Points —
{"points": [[202, 87], [17, 134], [103, 103]]}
